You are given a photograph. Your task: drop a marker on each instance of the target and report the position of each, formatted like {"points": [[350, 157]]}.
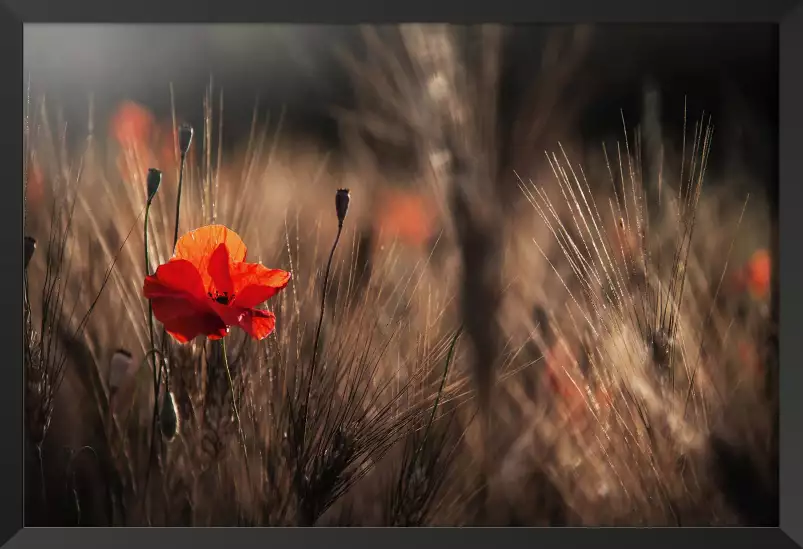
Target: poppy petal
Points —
{"points": [[202, 242], [175, 276], [255, 283], [194, 326], [218, 335], [231, 316], [198, 246], [258, 324], [220, 270], [184, 321]]}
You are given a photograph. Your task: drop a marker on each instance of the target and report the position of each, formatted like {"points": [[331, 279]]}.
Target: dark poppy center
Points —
{"points": [[223, 298]]}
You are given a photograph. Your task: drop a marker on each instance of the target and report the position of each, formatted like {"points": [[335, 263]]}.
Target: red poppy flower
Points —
{"points": [[207, 286]]}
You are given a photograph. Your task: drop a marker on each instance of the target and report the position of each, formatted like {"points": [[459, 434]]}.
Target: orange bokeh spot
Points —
{"points": [[406, 215], [759, 272], [750, 358], [35, 187], [132, 125], [558, 361], [755, 277]]}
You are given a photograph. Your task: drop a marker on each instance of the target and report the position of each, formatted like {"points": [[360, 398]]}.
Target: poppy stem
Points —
{"points": [[147, 273], [156, 370], [235, 408], [320, 323], [178, 197]]}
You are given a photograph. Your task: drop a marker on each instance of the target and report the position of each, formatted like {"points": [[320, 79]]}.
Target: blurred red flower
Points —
{"points": [[35, 187], [750, 358], [558, 358], [759, 270], [168, 151], [405, 215], [755, 276], [574, 399], [207, 286], [132, 124], [134, 128]]}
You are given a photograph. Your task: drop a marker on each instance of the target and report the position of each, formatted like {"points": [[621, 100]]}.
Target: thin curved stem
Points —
{"points": [[42, 474], [449, 357], [175, 241], [178, 198], [156, 370], [236, 409], [320, 323]]}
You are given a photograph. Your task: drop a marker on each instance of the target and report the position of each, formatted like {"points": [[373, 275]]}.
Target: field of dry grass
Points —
{"points": [[584, 337]]}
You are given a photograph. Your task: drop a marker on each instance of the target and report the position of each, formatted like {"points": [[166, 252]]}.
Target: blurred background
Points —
{"points": [[729, 70]]}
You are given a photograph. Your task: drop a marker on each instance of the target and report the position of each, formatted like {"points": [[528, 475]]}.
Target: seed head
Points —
{"points": [[168, 418], [184, 139], [30, 248], [342, 205], [154, 181]]}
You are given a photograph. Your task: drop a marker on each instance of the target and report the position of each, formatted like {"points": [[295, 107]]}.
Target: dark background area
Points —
{"points": [[727, 70]]}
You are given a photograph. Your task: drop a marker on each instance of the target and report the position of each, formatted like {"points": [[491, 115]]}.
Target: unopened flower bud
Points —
{"points": [[30, 248], [184, 139], [154, 180], [342, 205], [168, 417]]}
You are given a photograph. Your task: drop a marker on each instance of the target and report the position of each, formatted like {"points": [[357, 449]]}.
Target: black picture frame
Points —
{"points": [[788, 14]]}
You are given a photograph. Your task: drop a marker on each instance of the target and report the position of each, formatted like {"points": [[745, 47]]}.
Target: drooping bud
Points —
{"points": [[342, 205], [168, 417], [184, 139], [154, 181], [30, 248]]}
